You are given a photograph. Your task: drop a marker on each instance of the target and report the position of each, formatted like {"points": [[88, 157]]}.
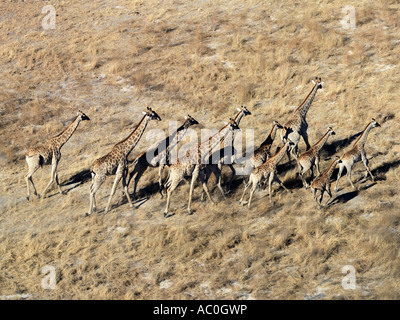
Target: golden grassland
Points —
{"points": [[111, 59]]}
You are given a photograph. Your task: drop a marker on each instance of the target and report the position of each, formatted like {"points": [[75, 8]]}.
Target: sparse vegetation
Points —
{"points": [[203, 58]]}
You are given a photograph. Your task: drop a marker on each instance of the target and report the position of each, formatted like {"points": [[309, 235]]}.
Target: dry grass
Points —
{"points": [[203, 58]]}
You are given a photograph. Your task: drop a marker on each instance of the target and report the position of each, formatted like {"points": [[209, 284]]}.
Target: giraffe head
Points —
{"points": [[330, 131], [317, 82], [374, 123], [151, 114], [190, 121], [245, 111], [82, 116]]}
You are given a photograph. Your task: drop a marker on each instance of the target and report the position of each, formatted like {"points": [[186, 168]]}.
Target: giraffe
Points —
{"points": [[162, 158], [263, 152], [323, 182], [266, 171], [115, 162], [50, 153], [224, 151], [297, 121], [355, 154], [194, 165], [311, 158]]}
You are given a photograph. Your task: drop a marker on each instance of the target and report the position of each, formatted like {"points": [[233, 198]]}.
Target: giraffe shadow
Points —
{"points": [[77, 180], [348, 196], [379, 172], [343, 198], [141, 197], [234, 187], [148, 190], [139, 202], [287, 166], [335, 146]]}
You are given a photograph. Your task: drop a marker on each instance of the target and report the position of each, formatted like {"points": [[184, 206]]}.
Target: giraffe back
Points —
{"points": [[108, 164]]}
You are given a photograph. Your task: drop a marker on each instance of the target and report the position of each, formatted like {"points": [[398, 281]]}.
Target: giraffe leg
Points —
{"points": [[204, 183], [317, 194], [314, 193], [58, 184], [124, 185], [94, 202], [130, 176], [328, 191], [271, 179], [316, 163], [295, 151], [232, 176], [33, 165], [247, 185], [195, 175], [301, 174], [365, 162], [217, 172], [137, 172], [349, 168], [118, 176], [160, 184], [136, 182], [281, 184], [97, 181], [341, 167], [253, 188], [208, 170], [320, 199], [54, 165], [173, 185]]}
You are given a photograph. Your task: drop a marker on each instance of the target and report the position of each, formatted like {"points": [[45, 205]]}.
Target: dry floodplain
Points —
{"points": [[112, 59]]}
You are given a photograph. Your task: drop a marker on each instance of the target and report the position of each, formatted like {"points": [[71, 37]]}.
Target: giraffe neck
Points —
{"points": [[330, 170], [239, 117], [207, 146], [172, 141], [181, 131], [321, 142], [64, 136], [363, 138], [271, 136], [303, 108], [280, 154], [130, 142]]}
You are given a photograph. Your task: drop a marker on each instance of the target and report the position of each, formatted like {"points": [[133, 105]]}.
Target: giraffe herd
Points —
{"points": [[261, 166]]}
